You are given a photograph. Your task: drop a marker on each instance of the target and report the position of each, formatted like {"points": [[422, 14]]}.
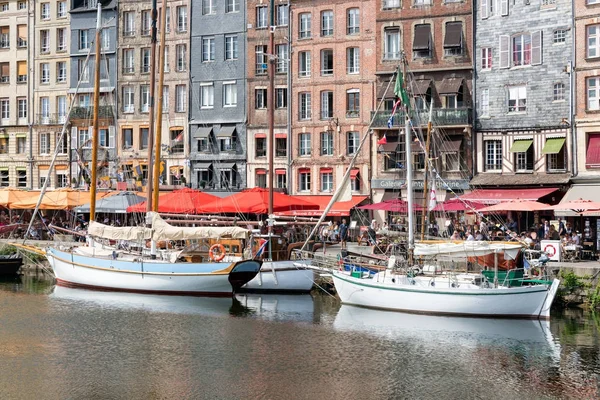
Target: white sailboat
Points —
{"points": [[116, 269], [448, 295]]}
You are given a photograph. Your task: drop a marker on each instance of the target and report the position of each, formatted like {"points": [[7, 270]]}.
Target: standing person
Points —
{"points": [[562, 230], [541, 234], [483, 229], [343, 233]]}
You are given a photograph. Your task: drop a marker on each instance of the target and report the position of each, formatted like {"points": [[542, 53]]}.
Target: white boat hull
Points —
{"points": [[208, 279], [281, 276], [517, 302]]}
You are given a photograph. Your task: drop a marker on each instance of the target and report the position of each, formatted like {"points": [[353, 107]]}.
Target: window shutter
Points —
{"points": [[485, 9], [74, 133], [503, 7], [111, 137], [504, 51], [536, 48]]}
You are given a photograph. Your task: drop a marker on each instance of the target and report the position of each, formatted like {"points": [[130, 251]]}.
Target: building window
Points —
{"points": [[280, 147], [305, 26], [44, 143], [304, 106], [166, 59], [61, 39], [593, 93], [389, 4], [453, 41], [182, 19], [305, 64], [517, 99], [524, 159], [226, 144], [83, 70], [128, 102], [558, 92], [282, 58], [326, 62], [165, 99], [352, 103], [326, 104], [493, 155], [261, 17], [593, 41], [353, 23], [21, 72], [128, 66], [181, 54], [144, 98], [3, 6], [556, 162], [105, 33], [84, 139], [4, 109], [261, 59], [22, 108], [127, 138], [61, 9], [260, 99], [61, 108], [304, 180], [62, 180], [486, 58], [144, 138], [281, 98], [207, 95], [180, 98], [327, 23], [353, 60], [145, 65], [418, 161], [327, 143], [45, 11], [451, 161], [229, 94], [281, 178], [208, 7], [422, 41], [45, 110], [261, 146], [231, 47], [129, 23], [203, 145], [21, 178], [146, 22], [232, 6], [304, 148], [559, 36], [44, 73], [61, 72], [84, 43], [21, 144], [353, 142], [521, 49], [208, 49], [326, 181], [45, 42], [261, 178], [21, 36], [177, 141], [485, 102], [391, 44], [282, 15], [5, 72], [167, 19]]}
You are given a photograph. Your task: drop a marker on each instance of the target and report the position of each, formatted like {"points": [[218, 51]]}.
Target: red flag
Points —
{"points": [[382, 141]]}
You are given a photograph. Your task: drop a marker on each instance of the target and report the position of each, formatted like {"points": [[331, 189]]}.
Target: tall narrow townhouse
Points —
{"points": [[258, 53], [333, 68], [14, 94], [134, 63], [218, 95], [82, 74], [586, 174], [435, 40], [522, 85], [50, 101]]}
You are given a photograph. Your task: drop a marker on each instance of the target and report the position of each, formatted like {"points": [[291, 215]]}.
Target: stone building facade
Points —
{"points": [[15, 106], [523, 86], [218, 95], [133, 68], [333, 84], [434, 39]]}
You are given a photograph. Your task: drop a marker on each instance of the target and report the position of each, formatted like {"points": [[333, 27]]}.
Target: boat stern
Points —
{"points": [[243, 272]]}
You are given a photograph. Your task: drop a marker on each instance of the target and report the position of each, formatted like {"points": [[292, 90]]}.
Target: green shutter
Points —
{"points": [[553, 146], [521, 146]]}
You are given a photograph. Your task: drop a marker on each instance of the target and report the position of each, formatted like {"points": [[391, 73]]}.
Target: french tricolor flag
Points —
{"points": [[261, 248]]}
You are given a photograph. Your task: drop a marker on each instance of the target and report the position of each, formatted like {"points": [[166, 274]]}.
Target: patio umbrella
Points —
{"points": [[255, 201], [516, 205], [395, 205], [116, 204], [459, 205], [182, 201], [578, 206]]}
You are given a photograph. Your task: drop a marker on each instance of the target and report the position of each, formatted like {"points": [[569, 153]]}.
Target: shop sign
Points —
{"points": [[460, 184]]}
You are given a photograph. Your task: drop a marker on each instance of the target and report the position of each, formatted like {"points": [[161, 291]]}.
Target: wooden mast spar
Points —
{"points": [[94, 167]]}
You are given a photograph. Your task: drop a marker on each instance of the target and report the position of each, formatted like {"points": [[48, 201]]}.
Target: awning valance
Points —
{"points": [[494, 196], [202, 132], [260, 135], [553, 146], [421, 87], [226, 131], [202, 166], [230, 165], [521, 146], [450, 85], [281, 136], [354, 173], [326, 170], [280, 171], [261, 171]]}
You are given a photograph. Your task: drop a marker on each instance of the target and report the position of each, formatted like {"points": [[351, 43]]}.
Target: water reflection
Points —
{"points": [[279, 307]]}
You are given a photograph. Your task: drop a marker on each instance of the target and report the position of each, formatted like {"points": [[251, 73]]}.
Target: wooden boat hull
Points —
{"points": [[10, 264], [519, 302], [281, 276], [150, 276]]}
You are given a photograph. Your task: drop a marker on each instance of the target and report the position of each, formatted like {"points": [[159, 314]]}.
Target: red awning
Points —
{"points": [[494, 196], [280, 172], [592, 158], [326, 170], [304, 170], [339, 209], [281, 136], [354, 173], [261, 172], [182, 201], [255, 201], [260, 135]]}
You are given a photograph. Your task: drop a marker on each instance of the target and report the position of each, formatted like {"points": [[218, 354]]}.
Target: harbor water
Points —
{"points": [[61, 343]]}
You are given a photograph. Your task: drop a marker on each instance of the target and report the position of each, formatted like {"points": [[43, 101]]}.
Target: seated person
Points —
{"points": [[575, 239]]}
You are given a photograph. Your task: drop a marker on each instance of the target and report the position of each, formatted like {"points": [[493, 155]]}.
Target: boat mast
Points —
{"points": [[409, 178], [425, 212], [271, 122], [159, 105], [94, 177], [150, 169]]}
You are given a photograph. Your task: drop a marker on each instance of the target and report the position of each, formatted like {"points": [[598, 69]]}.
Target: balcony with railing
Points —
{"points": [[87, 112], [50, 119], [440, 117]]}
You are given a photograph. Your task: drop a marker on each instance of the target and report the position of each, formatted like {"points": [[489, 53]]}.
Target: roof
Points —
{"points": [[491, 179], [493, 196]]}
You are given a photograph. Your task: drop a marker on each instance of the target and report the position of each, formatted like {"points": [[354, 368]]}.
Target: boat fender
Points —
{"points": [[216, 255], [432, 283], [454, 285], [413, 282]]}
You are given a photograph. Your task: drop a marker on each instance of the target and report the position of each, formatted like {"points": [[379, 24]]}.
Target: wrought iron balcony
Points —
{"points": [[87, 112], [441, 117], [50, 119]]}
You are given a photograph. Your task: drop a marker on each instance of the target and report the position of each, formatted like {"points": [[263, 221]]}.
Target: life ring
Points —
{"points": [[214, 255]]}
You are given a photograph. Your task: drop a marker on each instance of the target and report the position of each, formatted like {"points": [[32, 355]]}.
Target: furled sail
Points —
{"points": [[164, 231], [119, 233], [466, 249]]}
